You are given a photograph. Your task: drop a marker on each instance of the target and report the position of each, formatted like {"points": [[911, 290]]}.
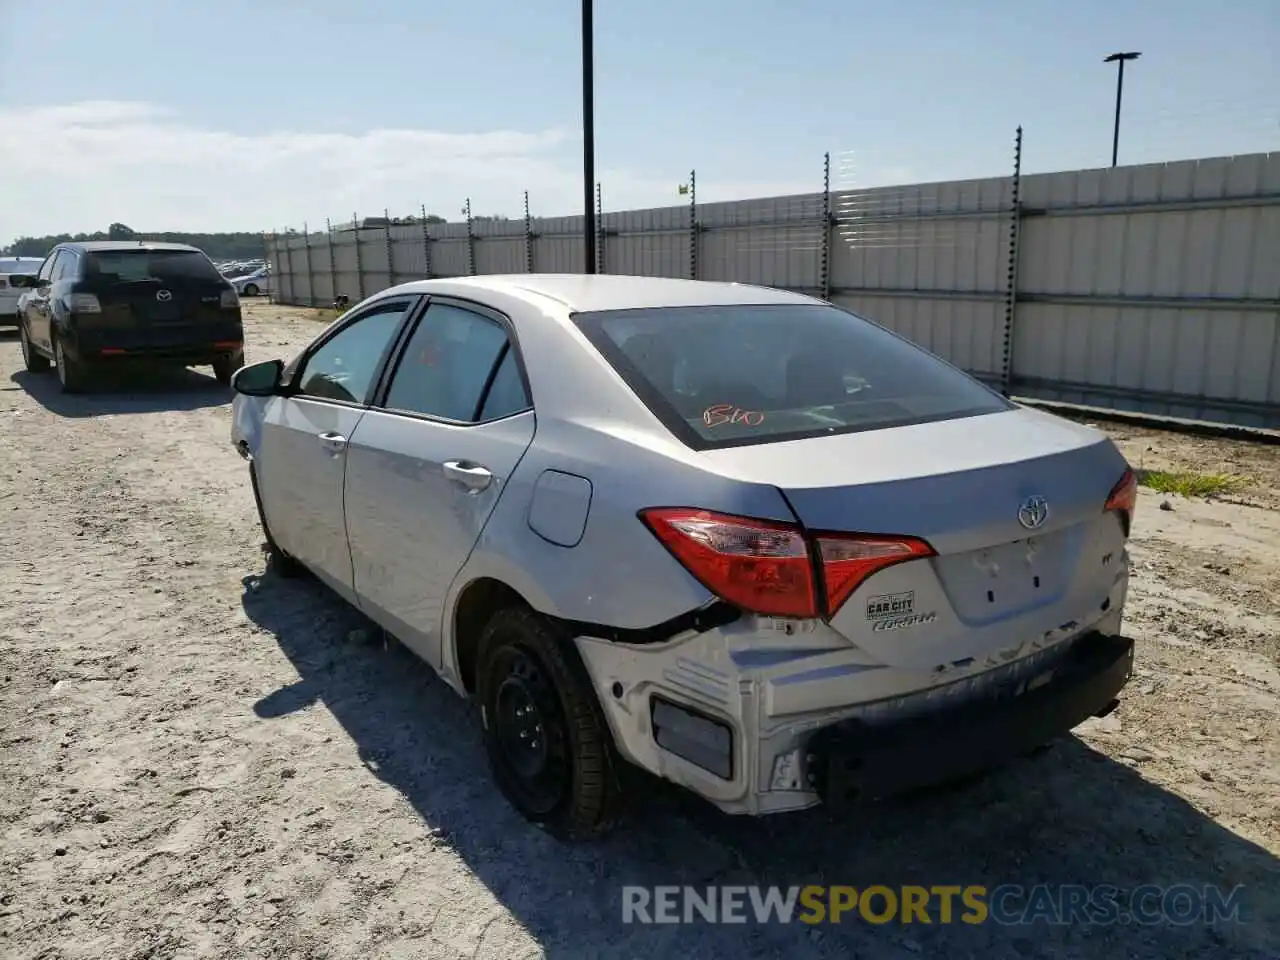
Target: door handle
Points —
{"points": [[333, 442], [470, 475]]}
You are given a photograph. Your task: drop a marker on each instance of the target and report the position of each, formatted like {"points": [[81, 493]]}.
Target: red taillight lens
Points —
{"points": [[766, 567], [757, 565], [1124, 497], [848, 560]]}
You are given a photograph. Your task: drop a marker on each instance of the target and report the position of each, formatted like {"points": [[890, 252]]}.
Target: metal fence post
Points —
{"points": [[391, 257], [426, 245], [528, 236], [600, 267], [824, 263], [1011, 292], [355, 224], [693, 225], [471, 241], [333, 263], [311, 275]]}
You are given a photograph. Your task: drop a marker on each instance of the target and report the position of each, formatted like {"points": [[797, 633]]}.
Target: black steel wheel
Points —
{"points": [[548, 743]]}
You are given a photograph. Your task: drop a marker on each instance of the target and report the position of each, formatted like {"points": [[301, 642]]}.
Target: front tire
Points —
{"points": [[73, 375], [250, 289], [549, 746], [224, 368], [32, 359]]}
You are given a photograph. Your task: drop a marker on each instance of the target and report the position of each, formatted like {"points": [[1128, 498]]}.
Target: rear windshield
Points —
{"points": [[135, 266], [735, 375]]}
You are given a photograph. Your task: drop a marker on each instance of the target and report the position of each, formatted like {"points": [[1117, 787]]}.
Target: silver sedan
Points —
{"points": [[734, 536]]}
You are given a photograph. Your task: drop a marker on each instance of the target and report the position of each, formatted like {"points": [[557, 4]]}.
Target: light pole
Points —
{"points": [[1119, 58], [588, 139]]}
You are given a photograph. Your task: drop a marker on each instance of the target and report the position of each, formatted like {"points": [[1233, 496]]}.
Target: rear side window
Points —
{"points": [[721, 376], [137, 266]]}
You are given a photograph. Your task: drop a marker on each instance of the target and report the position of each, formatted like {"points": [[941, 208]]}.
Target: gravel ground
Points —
{"points": [[200, 760]]}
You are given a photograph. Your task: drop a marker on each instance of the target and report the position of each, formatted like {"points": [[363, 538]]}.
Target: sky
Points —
{"points": [[208, 115]]}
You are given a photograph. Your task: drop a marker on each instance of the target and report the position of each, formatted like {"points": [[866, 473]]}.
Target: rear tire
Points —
{"points": [[224, 368], [32, 359], [73, 374], [549, 745], [281, 563]]}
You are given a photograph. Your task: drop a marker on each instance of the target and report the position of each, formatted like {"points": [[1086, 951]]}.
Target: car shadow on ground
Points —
{"points": [[1068, 816], [131, 389]]}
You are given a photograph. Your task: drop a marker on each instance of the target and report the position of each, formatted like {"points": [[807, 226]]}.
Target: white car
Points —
{"points": [[9, 294], [737, 537], [252, 284]]}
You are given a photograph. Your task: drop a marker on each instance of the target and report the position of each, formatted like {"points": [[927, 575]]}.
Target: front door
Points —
{"points": [[38, 304], [301, 459], [427, 464]]}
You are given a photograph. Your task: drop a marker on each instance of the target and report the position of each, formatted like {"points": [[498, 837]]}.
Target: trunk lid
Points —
{"points": [[960, 485]]}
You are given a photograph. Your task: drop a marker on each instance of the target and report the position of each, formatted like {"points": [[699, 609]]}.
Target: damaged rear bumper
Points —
{"points": [[853, 759]]}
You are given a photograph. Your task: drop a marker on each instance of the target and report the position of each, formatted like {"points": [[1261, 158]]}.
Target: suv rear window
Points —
{"points": [[721, 376], [134, 266]]}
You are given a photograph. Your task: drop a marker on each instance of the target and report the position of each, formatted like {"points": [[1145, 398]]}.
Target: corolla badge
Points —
{"points": [[1033, 512]]}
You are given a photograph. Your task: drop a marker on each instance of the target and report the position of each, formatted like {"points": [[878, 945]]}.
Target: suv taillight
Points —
{"points": [[1123, 498], [83, 303], [230, 299], [768, 567]]}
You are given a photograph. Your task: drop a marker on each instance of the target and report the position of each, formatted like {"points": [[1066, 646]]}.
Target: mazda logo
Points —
{"points": [[163, 295], [1033, 512]]}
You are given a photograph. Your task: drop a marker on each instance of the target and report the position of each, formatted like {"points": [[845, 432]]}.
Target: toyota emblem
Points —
{"points": [[1033, 512], [163, 295]]}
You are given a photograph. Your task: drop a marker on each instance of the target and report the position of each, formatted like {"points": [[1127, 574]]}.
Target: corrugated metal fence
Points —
{"points": [[1151, 288]]}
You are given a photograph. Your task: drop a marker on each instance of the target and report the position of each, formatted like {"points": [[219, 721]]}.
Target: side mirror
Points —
{"points": [[259, 379], [23, 280]]}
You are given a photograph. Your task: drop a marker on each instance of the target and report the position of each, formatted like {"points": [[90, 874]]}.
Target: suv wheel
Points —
{"points": [[72, 373], [548, 743], [32, 359], [225, 367]]}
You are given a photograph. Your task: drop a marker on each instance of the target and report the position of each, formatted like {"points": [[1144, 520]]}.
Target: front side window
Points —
{"points": [[730, 375], [448, 368], [46, 269], [346, 365], [66, 267]]}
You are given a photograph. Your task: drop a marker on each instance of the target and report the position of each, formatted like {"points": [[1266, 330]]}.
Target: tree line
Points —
{"points": [[219, 246]]}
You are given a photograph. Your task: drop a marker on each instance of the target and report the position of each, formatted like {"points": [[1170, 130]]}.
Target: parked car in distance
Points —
{"points": [[9, 294], [738, 537], [107, 302], [252, 284]]}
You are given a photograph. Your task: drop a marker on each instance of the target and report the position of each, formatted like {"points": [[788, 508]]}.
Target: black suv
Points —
{"points": [[98, 303]]}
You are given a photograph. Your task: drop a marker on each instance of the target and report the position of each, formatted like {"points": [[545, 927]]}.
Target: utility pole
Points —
{"points": [[588, 139], [1119, 59]]}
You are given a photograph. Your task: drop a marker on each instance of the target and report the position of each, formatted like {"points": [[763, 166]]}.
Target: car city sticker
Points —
{"points": [[893, 611]]}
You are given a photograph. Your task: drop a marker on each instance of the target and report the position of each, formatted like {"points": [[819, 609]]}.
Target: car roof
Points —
{"points": [[584, 293], [97, 246]]}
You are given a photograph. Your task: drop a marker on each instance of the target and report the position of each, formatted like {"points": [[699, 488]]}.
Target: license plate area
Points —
{"points": [[991, 582]]}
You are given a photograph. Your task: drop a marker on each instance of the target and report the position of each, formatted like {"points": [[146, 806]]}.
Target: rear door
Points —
{"points": [[427, 464], [157, 297], [302, 455]]}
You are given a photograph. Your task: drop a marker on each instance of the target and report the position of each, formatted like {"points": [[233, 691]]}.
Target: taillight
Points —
{"points": [[230, 299], [767, 567], [83, 303], [848, 560], [757, 565], [1124, 497]]}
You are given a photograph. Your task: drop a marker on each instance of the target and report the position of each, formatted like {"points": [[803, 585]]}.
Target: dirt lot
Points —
{"points": [[201, 760]]}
